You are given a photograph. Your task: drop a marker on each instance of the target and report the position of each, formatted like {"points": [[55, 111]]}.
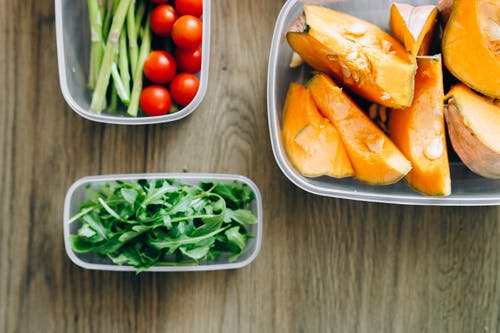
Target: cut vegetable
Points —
{"points": [[355, 52], [474, 129], [312, 144], [375, 159], [419, 131], [471, 45], [413, 26]]}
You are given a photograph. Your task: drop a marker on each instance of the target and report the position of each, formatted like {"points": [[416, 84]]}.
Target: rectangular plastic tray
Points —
{"points": [[77, 194], [73, 46], [468, 189]]}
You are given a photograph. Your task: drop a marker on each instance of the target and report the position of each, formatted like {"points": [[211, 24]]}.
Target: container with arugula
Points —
{"points": [[163, 222]]}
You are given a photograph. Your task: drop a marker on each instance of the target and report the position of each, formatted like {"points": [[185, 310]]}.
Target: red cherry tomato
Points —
{"points": [[187, 32], [158, 1], [189, 7], [155, 100], [163, 18], [188, 60], [160, 67], [183, 88]]}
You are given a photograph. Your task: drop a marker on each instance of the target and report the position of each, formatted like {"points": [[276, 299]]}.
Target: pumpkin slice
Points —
{"points": [[419, 131], [413, 26], [474, 130], [312, 144], [471, 44], [355, 52], [375, 159]]}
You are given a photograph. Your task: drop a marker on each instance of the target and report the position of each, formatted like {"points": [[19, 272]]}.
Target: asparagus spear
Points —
{"points": [[119, 86], [133, 108], [139, 14], [108, 16], [123, 62], [99, 95], [132, 36], [113, 104], [96, 46]]}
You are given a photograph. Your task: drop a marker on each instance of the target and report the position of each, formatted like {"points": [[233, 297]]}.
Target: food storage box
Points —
{"points": [[468, 189], [73, 46], [77, 194]]}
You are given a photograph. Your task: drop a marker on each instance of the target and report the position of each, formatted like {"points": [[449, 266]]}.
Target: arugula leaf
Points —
{"points": [[242, 216], [129, 194]]}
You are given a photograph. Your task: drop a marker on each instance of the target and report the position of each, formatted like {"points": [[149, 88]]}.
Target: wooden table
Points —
{"points": [[326, 265]]}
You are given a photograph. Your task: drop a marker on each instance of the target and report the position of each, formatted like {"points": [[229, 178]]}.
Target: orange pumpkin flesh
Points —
{"points": [[474, 130], [357, 53], [419, 131], [471, 44], [413, 26], [312, 144], [375, 159]]}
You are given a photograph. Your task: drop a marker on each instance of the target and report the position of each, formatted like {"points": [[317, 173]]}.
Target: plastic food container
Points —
{"points": [[77, 194], [468, 189], [73, 46]]}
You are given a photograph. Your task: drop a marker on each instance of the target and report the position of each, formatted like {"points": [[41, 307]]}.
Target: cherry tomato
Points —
{"points": [[188, 60], [189, 7], [160, 67], [155, 100], [187, 32], [158, 1], [183, 88], [163, 18]]}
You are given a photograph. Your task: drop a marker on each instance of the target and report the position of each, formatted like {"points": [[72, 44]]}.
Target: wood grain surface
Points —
{"points": [[326, 265]]}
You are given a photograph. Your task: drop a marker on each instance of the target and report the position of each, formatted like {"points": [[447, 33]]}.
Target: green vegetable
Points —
{"points": [[164, 222], [99, 96]]}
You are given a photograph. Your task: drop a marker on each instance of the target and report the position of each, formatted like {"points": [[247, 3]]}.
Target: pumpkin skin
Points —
{"points": [[312, 144], [375, 159], [413, 26], [474, 129], [419, 131], [356, 53], [471, 45]]}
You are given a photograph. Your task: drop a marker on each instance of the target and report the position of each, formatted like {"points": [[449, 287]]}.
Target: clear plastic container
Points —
{"points": [[468, 189], [77, 194], [73, 46]]}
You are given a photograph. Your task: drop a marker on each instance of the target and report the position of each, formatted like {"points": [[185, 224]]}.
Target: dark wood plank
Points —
{"points": [[326, 265]]}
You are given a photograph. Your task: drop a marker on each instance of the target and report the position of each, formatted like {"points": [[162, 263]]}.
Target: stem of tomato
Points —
{"points": [[137, 78], [99, 96]]}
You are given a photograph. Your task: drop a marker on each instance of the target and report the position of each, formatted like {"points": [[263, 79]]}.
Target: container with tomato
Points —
{"points": [[148, 58]]}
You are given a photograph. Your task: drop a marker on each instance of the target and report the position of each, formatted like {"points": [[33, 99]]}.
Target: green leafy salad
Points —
{"points": [[147, 223]]}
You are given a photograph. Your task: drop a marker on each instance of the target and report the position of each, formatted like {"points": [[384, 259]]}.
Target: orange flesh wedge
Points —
{"points": [[312, 144], [419, 131], [375, 159]]}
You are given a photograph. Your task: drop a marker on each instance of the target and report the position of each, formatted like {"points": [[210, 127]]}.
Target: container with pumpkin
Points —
{"points": [[325, 130]]}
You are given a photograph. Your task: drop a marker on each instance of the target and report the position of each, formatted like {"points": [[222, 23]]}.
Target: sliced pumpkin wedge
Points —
{"points": [[474, 129], [312, 144], [374, 157], [419, 131], [471, 44], [413, 26], [359, 54]]}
